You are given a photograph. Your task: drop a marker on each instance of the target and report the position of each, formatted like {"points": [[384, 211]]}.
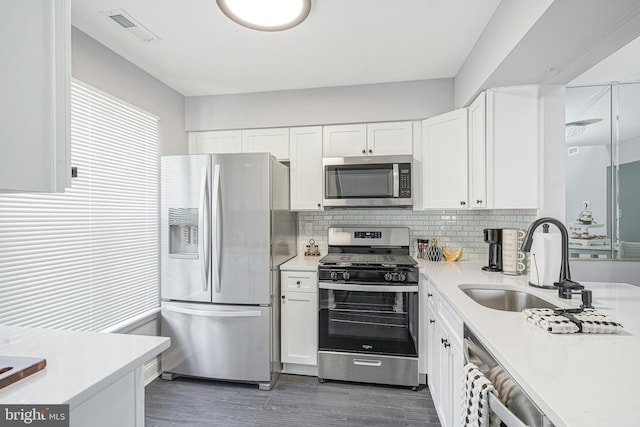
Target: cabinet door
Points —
{"points": [[477, 153], [305, 149], [512, 144], [433, 358], [456, 368], [274, 141], [299, 328], [35, 87], [389, 139], [442, 385], [215, 142], [444, 160], [344, 140]]}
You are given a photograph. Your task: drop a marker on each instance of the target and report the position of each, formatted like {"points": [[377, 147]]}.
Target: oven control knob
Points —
{"points": [[345, 275], [333, 275], [388, 276], [402, 277]]}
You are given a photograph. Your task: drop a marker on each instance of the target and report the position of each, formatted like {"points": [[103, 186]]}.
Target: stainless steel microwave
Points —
{"points": [[368, 182]]}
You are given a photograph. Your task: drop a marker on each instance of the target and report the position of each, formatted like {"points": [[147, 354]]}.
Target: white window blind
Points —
{"points": [[87, 259]]}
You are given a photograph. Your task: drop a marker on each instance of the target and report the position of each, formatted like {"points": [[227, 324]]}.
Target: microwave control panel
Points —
{"points": [[405, 180]]}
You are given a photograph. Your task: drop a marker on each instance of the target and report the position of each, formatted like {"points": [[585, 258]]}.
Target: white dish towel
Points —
{"points": [[589, 321], [475, 395]]}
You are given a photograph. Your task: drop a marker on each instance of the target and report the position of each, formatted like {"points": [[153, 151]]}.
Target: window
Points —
{"points": [[87, 259]]}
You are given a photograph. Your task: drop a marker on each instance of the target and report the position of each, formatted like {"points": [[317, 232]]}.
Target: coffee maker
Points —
{"points": [[493, 236]]}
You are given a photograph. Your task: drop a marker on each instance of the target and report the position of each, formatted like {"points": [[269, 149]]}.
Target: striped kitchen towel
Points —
{"points": [[475, 399], [566, 322]]}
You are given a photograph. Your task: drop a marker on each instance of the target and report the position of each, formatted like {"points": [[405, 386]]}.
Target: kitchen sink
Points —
{"points": [[505, 299]]}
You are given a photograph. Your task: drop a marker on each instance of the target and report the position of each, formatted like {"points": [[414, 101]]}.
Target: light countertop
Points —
{"points": [[79, 364], [302, 263], [576, 379]]}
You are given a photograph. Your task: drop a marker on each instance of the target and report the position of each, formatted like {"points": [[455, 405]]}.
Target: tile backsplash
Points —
{"points": [[452, 228]]}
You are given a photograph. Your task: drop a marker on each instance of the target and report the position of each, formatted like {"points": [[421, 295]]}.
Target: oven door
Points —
{"points": [[360, 182], [369, 319]]}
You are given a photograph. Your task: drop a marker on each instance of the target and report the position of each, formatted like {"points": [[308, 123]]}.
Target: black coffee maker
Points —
{"points": [[493, 236]]}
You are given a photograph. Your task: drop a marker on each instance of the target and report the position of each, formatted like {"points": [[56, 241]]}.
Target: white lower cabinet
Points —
{"points": [[445, 360], [299, 322]]}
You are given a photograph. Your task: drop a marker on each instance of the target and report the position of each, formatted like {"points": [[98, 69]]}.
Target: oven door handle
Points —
{"points": [[367, 288]]}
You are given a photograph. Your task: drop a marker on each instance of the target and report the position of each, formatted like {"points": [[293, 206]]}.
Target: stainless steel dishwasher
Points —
{"points": [[513, 407]]}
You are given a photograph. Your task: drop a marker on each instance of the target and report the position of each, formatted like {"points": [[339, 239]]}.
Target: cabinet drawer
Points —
{"points": [[302, 281], [451, 322]]}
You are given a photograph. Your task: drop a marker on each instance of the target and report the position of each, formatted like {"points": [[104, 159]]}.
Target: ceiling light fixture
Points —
{"points": [[266, 15]]}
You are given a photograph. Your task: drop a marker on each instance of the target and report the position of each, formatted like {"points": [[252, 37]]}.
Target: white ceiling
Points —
{"points": [[342, 42]]}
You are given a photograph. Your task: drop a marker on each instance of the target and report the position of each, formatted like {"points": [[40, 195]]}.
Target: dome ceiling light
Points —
{"points": [[266, 15]]}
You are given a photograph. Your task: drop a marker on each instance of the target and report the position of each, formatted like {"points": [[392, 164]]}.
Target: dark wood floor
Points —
{"points": [[294, 401]]}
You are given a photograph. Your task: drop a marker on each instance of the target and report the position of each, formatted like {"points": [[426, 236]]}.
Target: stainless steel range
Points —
{"points": [[368, 310]]}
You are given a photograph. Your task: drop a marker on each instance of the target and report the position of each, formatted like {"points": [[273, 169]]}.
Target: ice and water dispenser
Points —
{"points": [[183, 232]]}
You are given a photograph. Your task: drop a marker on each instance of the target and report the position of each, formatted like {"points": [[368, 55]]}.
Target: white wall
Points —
{"points": [[100, 67], [347, 104]]}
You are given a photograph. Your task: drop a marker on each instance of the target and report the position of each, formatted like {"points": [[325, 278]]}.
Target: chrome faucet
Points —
{"points": [[565, 284]]}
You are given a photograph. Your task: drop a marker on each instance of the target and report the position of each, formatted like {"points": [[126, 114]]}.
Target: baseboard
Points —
{"points": [[297, 369], [151, 370]]}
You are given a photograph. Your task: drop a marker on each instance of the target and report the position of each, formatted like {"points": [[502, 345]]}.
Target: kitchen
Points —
{"points": [[364, 101]]}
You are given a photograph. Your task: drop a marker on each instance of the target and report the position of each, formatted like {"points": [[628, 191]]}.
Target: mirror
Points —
{"points": [[602, 135]]}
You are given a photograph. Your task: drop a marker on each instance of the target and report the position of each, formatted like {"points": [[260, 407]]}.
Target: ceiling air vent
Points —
{"points": [[130, 24]]}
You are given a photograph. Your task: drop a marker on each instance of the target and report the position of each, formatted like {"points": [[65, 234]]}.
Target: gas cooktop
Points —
{"points": [[346, 260]]}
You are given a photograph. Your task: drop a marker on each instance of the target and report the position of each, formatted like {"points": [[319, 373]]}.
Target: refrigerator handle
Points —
{"points": [[215, 226], [212, 313], [204, 221]]}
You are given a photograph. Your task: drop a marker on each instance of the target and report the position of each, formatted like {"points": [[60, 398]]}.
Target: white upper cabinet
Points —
{"points": [[372, 139], [389, 139], [477, 153], [274, 141], [344, 140], [305, 148], [36, 87], [512, 147], [444, 160], [215, 142]]}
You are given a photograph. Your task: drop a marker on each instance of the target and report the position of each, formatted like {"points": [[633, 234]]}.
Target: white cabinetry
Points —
{"points": [[305, 149], [445, 360], [299, 322], [274, 141], [344, 140], [477, 153], [372, 139], [390, 138], [512, 147], [215, 142], [35, 87], [444, 160]]}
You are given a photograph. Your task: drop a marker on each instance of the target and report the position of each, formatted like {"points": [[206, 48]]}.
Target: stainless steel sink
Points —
{"points": [[505, 299]]}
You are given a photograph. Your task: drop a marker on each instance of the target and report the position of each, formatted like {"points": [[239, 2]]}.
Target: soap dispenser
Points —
{"points": [[545, 258]]}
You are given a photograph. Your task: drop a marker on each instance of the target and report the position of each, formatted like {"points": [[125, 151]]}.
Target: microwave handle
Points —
{"points": [[396, 181]]}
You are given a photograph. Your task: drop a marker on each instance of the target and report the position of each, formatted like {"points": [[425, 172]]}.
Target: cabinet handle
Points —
{"points": [[442, 340], [479, 201], [364, 151], [283, 298], [298, 283], [432, 321], [446, 344], [462, 203], [429, 295], [319, 205], [370, 150]]}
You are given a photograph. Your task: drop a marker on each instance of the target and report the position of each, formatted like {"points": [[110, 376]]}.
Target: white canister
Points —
{"points": [[545, 259]]}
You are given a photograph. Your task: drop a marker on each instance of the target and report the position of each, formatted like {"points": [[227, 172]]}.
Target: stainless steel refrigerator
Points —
{"points": [[225, 229]]}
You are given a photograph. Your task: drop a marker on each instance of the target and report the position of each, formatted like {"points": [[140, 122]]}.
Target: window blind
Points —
{"points": [[87, 259]]}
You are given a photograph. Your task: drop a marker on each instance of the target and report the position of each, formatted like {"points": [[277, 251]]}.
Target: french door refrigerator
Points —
{"points": [[225, 229]]}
